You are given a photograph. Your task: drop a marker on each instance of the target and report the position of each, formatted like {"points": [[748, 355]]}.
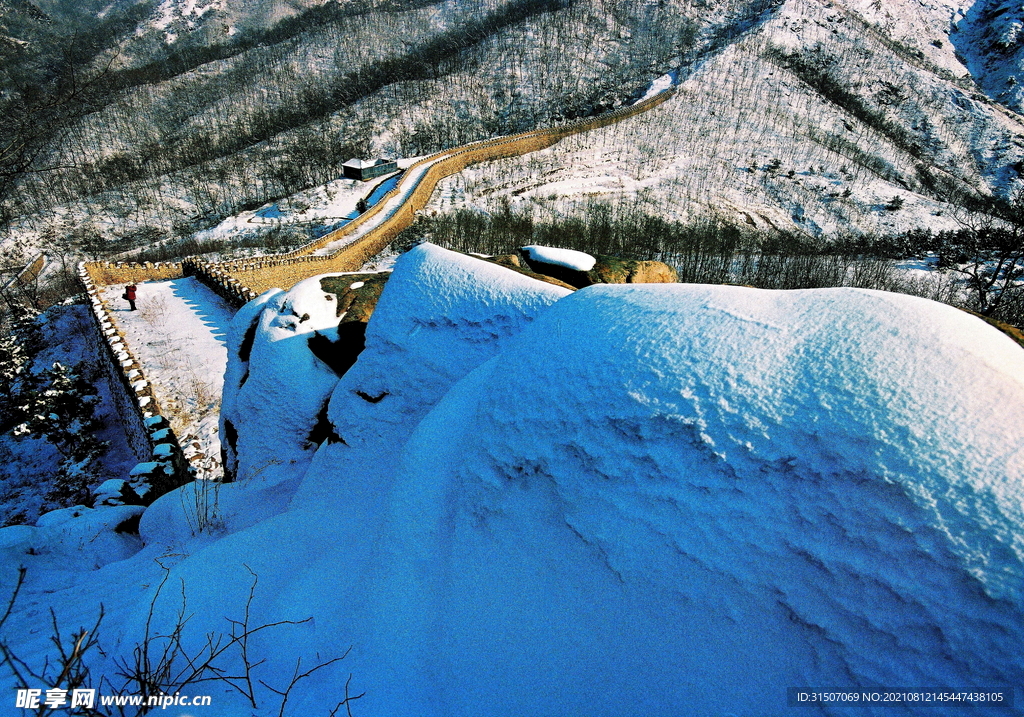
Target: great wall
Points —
{"points": [[162, 463], [241, 280]]}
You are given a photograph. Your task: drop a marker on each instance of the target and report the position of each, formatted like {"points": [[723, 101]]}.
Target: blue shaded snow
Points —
{"points": [[625, 500], [271, 212]]}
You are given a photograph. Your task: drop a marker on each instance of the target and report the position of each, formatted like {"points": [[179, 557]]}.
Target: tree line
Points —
{"points": [[980, 268]]}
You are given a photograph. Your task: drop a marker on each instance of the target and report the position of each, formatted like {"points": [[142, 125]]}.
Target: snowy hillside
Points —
{"points": [[811, 121], [30, 465], [629, 499], [801, 115], [987, 35]]}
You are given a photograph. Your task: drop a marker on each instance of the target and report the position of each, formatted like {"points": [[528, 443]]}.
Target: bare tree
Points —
{"points": [[37, 118], [988, 252]]}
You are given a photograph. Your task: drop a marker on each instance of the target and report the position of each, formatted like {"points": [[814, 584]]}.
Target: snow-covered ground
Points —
{"points": [[27, 464], [635, 499], [987, 36], [179, 335], [323, 206], [905, 61], [659, 85], [337, 200]]}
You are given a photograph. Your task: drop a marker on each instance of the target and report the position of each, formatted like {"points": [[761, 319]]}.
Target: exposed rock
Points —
{"points": [[343, 352], [517, 264], [357, 294], [613, 270], [357, 298], [509, 261], [653, 272], [607, 270]]}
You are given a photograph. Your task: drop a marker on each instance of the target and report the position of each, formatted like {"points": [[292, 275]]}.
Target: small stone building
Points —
{"points": [[369, 168]]}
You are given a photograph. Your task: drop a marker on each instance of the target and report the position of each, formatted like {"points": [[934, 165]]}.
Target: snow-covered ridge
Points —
{"points": [[753, 488], [751, 143], [635, 499]]}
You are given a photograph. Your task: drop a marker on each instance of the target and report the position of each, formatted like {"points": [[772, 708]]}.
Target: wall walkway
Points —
{"points": [[243, 279]]}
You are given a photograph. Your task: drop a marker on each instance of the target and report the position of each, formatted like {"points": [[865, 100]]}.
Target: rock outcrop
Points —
{"points": [[613, 270], [606, 270], [357, 298], [357, 294]]}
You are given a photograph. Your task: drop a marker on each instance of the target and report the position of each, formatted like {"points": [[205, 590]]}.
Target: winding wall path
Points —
{"points": [[344, 249], [348, 248]]}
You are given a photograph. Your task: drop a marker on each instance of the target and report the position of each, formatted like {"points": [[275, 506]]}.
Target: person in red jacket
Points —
{"points": [[129, 293]]}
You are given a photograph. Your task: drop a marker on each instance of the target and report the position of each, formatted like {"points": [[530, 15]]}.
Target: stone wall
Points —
{"points": [[243, 279], [162, 464], [221, 281], [105, 273], [27, 275]]}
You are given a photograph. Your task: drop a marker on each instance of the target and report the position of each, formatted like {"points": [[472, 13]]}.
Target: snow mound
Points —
{"points": [[655, 499], [568, 258], [441, 315], [687, 499], [72, 539], [274, 385]]}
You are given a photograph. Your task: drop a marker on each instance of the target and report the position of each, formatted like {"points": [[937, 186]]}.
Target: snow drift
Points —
{"points": [[637, 499], [274, 378], [683, 499], [670, 499]]}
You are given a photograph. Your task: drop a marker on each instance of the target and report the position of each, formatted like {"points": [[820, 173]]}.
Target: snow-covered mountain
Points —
{"points": [[520, 500], [812, 120], [809, 115]]}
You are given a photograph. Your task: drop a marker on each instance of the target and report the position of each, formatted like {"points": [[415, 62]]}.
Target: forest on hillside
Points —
{"points": [[174, 140], [801, 128]]}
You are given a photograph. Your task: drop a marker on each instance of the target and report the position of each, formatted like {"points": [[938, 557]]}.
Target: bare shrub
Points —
{"points": [[202, 509], [153, 310], [199, 391], [67, 669], [161, 664]]}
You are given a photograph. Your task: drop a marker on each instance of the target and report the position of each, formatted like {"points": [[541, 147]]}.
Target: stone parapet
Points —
{"points": [[149, 434]]}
